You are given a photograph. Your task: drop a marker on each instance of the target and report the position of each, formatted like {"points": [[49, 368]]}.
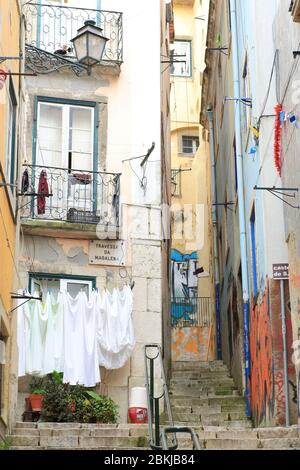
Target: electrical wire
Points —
{"points": [[269, 86], [293, 69]]}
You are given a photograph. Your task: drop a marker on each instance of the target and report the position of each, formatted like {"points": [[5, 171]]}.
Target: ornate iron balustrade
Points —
{"points": [[190, 311], [50, 28], [74, 196]]}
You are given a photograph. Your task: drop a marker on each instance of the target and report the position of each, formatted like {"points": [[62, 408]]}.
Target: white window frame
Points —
{"points": [[63, 284], [188, 59], [66, 107], [194, 145]]}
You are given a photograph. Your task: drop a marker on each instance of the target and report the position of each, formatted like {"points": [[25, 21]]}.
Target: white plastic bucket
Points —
{"points": [[138, 398]]}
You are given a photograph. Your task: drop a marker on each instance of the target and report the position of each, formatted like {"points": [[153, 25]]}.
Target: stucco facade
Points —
{"points": [[132, 101], [10, 110]]}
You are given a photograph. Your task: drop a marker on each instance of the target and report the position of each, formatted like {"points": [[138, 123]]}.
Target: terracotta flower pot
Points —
{"points": [[36, 401]]}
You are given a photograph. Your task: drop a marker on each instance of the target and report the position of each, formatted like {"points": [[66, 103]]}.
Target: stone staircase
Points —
{"points": [[204, 396]]}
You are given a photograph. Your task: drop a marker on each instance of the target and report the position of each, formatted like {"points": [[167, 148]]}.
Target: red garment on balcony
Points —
{"points": [[43, 191]]}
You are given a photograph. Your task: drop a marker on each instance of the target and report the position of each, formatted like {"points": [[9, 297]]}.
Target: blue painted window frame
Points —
{"points": [[253, 252], [67, 101]]}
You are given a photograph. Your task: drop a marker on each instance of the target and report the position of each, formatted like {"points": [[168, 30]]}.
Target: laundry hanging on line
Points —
{"points": [[76, 335], [43, 191]]}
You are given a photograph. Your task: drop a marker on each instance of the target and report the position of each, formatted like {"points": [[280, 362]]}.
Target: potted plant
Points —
{"points": [[37, 393]]}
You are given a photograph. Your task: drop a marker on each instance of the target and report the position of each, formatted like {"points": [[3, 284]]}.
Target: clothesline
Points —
{"points": [[76, 335]]}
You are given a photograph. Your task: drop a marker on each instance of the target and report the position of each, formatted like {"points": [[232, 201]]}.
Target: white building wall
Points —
{"points": [[130, 120]]}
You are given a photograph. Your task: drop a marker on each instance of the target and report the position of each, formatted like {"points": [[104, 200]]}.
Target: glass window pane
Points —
{"points": [[49, 136], [190, 144], [182, 59], [81, 138], [75, 287]]}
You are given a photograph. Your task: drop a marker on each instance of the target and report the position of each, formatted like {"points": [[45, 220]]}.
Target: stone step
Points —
{"points": [[200, 374], [202, 392], [196, 364], [185, 382], [211, 401], [78, 448], [206, 410], [199, 370], [80, 441], [229, 425], [209, 418], [251, 444]]}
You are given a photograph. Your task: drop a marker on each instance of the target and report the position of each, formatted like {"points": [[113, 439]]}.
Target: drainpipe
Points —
{"points": [[210, 115], [241, 201]]}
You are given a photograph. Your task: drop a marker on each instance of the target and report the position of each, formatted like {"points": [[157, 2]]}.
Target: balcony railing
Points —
{"points": [[75, 196], [191, 312], [50, 28]]}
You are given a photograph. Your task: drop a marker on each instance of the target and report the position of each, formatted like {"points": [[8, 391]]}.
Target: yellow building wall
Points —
{"points": [[9, 46]]}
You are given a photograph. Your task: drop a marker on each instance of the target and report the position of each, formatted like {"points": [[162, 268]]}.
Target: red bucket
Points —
{"points": [[138, 415]]}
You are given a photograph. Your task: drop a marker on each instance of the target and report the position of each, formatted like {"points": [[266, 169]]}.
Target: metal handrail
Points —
{"points": [[158, 436], [187, 430], [153, 402]]}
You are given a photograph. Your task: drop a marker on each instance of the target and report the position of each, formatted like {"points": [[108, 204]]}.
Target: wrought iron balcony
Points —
{"points": [[193, 311], [50, 28], [75, 196]]}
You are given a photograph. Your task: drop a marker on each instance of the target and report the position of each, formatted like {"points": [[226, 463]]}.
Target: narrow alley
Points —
{"points": [[149, 226]]}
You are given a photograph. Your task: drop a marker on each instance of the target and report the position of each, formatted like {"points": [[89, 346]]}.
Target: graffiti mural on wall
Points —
{"points": [[261, 350], [192, 344], [184, 286]]}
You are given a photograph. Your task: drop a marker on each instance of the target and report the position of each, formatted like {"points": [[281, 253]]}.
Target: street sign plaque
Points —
{"points": [[280, 271]]}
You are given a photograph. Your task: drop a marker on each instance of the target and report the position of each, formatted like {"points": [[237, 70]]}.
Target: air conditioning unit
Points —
{"points": [[295, 10]]}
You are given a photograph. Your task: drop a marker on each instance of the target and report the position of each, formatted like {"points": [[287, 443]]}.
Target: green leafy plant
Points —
{"points": [[57, 377], [6, 443], [73, 403], [37, 386]]}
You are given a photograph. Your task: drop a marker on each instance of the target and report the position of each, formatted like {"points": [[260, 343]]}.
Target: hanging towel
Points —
{"points": [[43, 191], [25, 181]]}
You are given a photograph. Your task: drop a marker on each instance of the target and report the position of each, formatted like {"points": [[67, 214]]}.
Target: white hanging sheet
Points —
{"points": [[54, 338], [116, 339], [76, 335]]}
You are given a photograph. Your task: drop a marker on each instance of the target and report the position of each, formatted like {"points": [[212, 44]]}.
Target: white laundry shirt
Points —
{"points": [[38, 324], [80, 352], [115, 329], [91, 364], [54, 339], [23, 332]]}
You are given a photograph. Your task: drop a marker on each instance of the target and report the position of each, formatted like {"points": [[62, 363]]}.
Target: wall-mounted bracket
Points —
{"points": [[243, 100], [223, 50], [280, 193], [24, 297], [227, 205]]}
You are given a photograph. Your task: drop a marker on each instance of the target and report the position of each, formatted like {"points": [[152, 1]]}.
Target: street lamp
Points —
{"points": [[89, 44]]}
